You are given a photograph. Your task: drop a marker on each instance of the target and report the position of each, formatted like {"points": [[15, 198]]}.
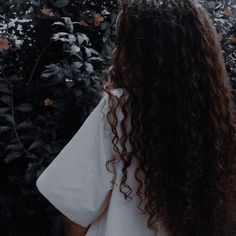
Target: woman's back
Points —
{"points": [[169, 138], [101, 200], [169, 60], [122, 217]]}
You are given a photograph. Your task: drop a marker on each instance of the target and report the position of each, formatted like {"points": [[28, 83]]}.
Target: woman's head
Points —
{"points": [[161, 38], [169, 61]]}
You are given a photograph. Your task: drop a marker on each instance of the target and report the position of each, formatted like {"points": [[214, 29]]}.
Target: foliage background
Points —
{"points": [[52, 55]]}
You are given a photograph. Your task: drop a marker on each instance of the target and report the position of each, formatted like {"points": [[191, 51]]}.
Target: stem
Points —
{"points": [[36, 64], [14, 124]]}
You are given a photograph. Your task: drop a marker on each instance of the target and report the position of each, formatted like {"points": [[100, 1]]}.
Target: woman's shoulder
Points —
{"points": [[118, 92], [105, 104]]}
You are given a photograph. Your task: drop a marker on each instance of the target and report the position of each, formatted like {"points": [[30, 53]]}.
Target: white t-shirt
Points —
{"points": [[78, 184]]}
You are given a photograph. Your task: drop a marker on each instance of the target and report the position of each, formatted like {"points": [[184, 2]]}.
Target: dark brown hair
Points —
{"points": [[183, 122]]}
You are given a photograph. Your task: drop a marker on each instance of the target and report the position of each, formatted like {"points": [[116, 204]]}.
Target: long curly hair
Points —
{"points": [[178, 101]]}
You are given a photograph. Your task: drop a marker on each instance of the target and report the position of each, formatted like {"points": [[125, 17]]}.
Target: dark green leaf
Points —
{"points": [[75, 49], [76, 64], [13, 147], [13, 78], [35, 2], [60, 3], [20, 1], [6, 99], [25, 125], [35, 145], [4, 110], [211, 5], [81, 38], [4, 129], [4, 89], [13, 156], [88, 52], [104, 25], [89, 67], [58, 23], [2, 144], [9, 118], [24, 107], [96, 59], [69, 24], [93, 51], [28, 137]]}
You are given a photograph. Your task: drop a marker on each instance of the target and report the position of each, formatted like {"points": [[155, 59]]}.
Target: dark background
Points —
{"points": [[52, 55]]}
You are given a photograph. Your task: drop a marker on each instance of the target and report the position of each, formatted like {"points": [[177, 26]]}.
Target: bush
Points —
{"points": [[53, 53]]}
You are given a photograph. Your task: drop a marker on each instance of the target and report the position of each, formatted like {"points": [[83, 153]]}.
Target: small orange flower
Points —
{"points": [[4, 44], [47, 11], [227, 13], [48, 102], [232, 39], [98, 19], [83, 23]]}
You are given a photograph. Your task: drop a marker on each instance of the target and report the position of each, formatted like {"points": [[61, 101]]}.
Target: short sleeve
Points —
{"points": [[77, 181]]}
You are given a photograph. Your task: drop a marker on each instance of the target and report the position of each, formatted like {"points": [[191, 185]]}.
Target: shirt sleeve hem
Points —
{"points": [[78, 219]]}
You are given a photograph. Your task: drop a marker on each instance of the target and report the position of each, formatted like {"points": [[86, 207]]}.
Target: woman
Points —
{"points": [[158, 154]]}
